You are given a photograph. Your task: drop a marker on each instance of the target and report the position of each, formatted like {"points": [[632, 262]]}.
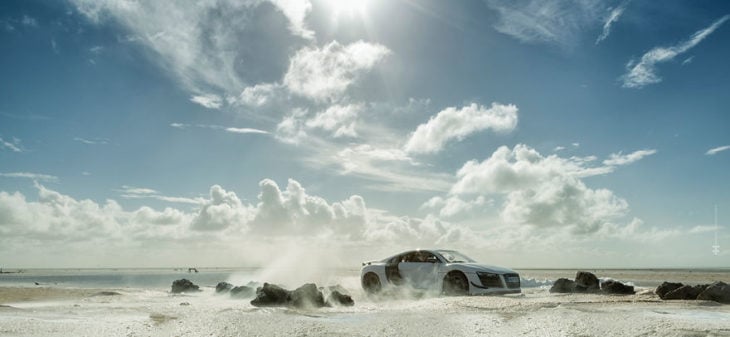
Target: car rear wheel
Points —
{"points": [[456, 284], [371, 283]]}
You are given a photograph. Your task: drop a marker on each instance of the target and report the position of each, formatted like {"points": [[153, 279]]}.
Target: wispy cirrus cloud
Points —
{"points": [[556, 22], [643, 72], [618, 159], [219, 127], [715, 150], [132, 192], [95, 141], [12, 145], [612, 18], [210, 101], [29, 175]]}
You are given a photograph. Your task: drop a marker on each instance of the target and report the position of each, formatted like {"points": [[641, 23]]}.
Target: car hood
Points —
{"points": [[483, 267]]}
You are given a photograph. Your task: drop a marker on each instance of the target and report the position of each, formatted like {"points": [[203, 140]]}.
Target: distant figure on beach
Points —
{"points": [[190, 270]]}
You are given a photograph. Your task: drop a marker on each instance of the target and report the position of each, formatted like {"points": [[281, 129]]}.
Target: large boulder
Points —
{"points": [[242, 292], [184, 286], [718, 292], [270, 295], [586, 282], [615, 287], [307, 296], [223, 287], [685, 292], [563, 285], [666, 287]]}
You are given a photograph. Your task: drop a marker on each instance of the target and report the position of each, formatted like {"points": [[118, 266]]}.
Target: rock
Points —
{"points": [[337, 298], [563, 285], [685, 292], [270, 295], [106, 293], [223, 287], [586, 282], [615, 287], [718, 292], [307, 296], [666, 287], [242, 292], [183, 286]]}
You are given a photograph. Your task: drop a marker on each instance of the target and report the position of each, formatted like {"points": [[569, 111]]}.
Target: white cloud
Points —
{"points": [[183, 126], [131, 192], [452, 123], [612, 18], [209, 101], [326, 73], [296, 11], [541, 191], [453, 205], [291, 128], [559, 22], [96, 141], [224, 209], [643, 72], [29, 21], [13, 145], [338, 119], [28, 175], [617, 159], [716, 150], [257, 95]]}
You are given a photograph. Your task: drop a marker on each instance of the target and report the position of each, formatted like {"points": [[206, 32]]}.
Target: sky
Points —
{"points": [[544, 134]]}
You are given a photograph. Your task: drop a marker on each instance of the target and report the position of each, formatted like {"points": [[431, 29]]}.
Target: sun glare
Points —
{"points": [[346, 8]]}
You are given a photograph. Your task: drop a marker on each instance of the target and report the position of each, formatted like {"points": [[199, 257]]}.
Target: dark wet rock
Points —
{"points": [[106, 293], [223, 287], [615, 287], [666, 287], [307, 296], [337, 298], [242, 292], [270, 295], [718, 292], [184, 304], [183, 286], [586, 282], [685, 292], [563, 285]]}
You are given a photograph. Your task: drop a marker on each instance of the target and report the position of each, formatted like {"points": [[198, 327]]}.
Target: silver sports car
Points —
{"points": [[447, 270]]}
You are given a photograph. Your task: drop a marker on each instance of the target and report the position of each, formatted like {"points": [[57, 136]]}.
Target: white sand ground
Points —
{"points": [[136, 312]]}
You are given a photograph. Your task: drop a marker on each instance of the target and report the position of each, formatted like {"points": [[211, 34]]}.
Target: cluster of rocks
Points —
{"points": [[586, 282], [718, 292], [268, 295]]}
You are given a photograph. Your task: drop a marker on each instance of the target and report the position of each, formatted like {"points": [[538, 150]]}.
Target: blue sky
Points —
{"points": [[526, 133]]}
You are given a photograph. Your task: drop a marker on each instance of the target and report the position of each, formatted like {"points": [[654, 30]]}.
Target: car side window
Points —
{"points": [[430, 258]]}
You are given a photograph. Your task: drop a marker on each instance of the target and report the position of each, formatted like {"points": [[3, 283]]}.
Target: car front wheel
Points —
{"points": [[456, 284], [371, 283]]}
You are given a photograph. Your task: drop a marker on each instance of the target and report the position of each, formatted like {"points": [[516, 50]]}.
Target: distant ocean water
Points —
{"points": [[161, 278]]}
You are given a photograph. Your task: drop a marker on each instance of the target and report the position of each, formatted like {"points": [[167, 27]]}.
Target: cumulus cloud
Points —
{"points": [[340, 120], [716, 150], [541, 191], [612, 18], [643, 72], [209, 101], [29, 175], [456, 124], [618, 159], [257, 95], [224, 209], [325, 73], [453, 205], [558, 22]]}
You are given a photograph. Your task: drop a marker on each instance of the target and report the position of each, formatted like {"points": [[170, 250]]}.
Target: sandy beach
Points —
{"points": [[68, 311]]}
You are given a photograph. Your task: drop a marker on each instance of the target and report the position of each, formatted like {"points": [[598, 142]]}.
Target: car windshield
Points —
{"points": [[453, 256]]}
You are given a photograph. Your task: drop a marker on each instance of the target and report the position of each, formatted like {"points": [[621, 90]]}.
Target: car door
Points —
{"points": [[419, 269], [392, 272]]}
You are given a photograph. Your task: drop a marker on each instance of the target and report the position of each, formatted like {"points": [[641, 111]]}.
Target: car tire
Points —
{"points": [[371, 283], [456, 284]]}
